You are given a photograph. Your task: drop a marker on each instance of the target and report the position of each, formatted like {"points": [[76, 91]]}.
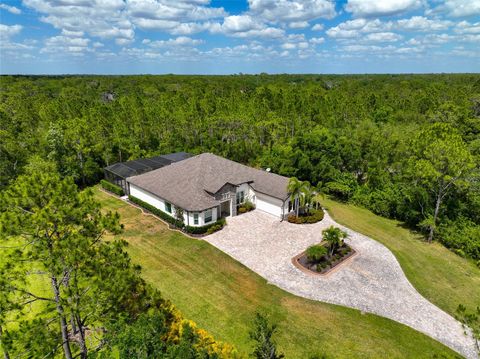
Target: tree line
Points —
{"points": [[404, 146]]}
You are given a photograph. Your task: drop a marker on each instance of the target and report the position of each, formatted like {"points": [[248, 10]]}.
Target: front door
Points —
{"points": [[225, 208]]}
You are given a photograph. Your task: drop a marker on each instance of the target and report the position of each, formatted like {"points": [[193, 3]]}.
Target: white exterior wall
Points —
{"points": [[201, 218], [270, 205], [159, 203], [248, 191]]}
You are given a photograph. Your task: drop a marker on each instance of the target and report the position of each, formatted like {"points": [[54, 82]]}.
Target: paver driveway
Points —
{"points": [[372, 281]]}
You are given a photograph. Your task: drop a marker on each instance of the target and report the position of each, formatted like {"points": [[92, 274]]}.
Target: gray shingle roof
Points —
{"points": [[190, 183]]}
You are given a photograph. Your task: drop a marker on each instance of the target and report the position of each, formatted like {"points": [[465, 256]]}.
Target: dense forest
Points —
{"points": [[404, 146]]}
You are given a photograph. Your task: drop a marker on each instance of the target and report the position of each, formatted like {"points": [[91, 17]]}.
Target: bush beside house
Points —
{"points": [[207, 229], [314, 215], [110, 187]]}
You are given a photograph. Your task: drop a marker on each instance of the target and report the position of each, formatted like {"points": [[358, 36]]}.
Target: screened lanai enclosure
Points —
{"points": [[119, 172]]}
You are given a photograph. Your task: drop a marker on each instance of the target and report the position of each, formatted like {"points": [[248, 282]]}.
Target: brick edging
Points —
{"points": [[331, 270]]}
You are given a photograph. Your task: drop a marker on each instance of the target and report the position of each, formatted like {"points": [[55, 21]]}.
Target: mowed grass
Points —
{"points": [[221, 296], [441, 276]]}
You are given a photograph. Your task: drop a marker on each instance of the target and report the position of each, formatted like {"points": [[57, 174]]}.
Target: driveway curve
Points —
{"points": [[372, 281]]}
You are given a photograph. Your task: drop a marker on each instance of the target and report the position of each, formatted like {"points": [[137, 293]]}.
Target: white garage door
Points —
{"points": [[269, 204]]}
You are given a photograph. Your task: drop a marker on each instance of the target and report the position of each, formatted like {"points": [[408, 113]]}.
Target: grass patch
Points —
{"points": [[221, 295], [441, 276]]}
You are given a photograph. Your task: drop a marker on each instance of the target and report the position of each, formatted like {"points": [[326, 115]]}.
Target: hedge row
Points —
{"points": [[157, 212], [112, 187], [209, 228], [316, 215]]}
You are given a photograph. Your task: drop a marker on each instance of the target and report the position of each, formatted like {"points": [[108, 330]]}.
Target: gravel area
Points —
{"points": [[372, 281]]}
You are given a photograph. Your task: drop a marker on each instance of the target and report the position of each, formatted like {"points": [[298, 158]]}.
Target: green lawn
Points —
{"points": [[221, 295], [441, 276]]}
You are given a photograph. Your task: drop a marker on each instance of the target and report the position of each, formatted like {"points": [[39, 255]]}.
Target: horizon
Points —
{"points": [[215, 37]]}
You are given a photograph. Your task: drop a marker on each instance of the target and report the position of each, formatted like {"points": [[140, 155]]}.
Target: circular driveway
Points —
{"points": [[372, 281]]}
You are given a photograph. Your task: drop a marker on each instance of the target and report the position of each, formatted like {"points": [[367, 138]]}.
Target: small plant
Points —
{"points": [[316, 252], [334, 237], [265, 346], [242, 210]]}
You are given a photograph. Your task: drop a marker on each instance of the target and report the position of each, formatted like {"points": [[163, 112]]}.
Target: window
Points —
{"points": [[240, 197], [208, 215], [168, 207], [195, 218]]}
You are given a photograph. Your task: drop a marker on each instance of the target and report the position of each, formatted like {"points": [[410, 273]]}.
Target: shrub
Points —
{"points": [[462, 236], [315, 215], [214, 228], [249, 206], [316, 252], [219, 224], [242, 210], [157, 212], [110, 187]]}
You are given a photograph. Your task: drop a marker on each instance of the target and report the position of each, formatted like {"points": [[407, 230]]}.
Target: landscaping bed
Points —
{"points": [[313, 216], [174, 223], [325, 264]]}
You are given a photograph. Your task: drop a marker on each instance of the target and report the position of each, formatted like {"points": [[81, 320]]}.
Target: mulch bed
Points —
{"points": [[302, 262]]}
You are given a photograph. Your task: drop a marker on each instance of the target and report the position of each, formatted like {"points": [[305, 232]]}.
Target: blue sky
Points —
{"points": [[249, 36]]}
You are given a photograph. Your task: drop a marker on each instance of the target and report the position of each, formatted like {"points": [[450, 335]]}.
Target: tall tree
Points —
{"points": [[440, 162], [53, 233]]}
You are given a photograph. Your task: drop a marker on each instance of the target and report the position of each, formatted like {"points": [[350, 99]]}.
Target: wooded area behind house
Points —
{"points": [[404, 146]]}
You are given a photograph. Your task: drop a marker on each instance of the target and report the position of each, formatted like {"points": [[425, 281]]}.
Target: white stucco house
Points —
{"points": [[208, 187]]}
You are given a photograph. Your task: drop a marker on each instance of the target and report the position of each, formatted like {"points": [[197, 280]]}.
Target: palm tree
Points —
{"points": [[334, 237], [319, 195], [306, 194], [294, 187]]}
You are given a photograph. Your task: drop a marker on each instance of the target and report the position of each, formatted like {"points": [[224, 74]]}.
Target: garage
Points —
{"points": [[269, 204]]}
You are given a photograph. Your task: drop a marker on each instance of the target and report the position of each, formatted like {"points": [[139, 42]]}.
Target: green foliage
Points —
{"points": [[112, 187], [314, 216], [316, 252], [208, 229], [262, 333], [462, 236], [159, 213], [334, 237], [56, 230], [369, 139]]}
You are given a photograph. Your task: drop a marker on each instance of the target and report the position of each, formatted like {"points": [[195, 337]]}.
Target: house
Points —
{"points": [[119, 172], [208, 187]]}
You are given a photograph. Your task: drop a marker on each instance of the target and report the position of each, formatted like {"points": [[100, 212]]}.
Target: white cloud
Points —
{"points": [[246, 26], [66, 45], [101, 18], [317, 40], [382, 37], [370, 8], [72, 33], [317, 27], [11, 9], [8, 31], [420, 23], [288, 11], [354, 28], [465, 27], [458, 8], [298, 24], [181, 17], [177, 42]]}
